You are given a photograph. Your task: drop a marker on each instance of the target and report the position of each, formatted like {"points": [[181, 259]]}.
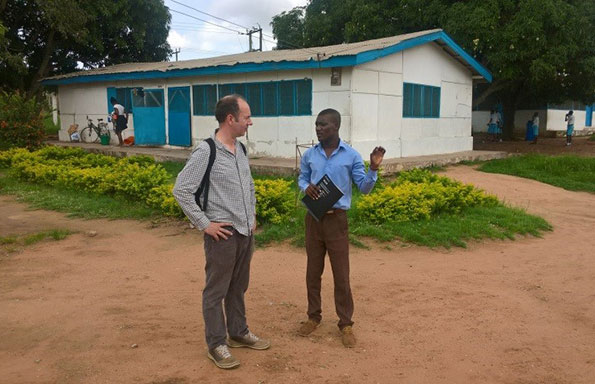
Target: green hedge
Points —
{"points": [[420, 194], [139, 178]]}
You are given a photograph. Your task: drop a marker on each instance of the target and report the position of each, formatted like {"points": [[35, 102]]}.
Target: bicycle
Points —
{"points": [[91, 133]]}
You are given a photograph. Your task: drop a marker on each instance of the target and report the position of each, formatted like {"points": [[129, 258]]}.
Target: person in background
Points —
{"points": [[535, 126], [569, 126], [120, 119], [344, 166], [494, 124]]}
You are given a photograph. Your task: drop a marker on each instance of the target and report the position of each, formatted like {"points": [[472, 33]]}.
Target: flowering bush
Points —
{"points": [[162, 198], [21, 121], [137, 177], [274, 200], [420, 194]]}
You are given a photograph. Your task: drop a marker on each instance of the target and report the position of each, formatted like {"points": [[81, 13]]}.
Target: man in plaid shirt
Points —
{"points": [[228, 223]]}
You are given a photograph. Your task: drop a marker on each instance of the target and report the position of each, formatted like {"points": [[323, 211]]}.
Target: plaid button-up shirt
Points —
{"points": [[231, 190]]}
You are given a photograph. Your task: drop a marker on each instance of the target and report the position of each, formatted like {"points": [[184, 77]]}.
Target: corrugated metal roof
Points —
{"points": [[320, 56], [304, 54]]}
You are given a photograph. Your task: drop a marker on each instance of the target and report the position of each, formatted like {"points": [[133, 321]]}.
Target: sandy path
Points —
{"points": [[497, 312]]}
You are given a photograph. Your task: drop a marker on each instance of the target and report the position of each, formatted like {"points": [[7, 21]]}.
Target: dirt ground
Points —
{"points": [[125, 306]]}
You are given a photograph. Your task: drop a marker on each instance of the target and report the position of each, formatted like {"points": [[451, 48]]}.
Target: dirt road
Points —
{"points": [[498, 312]]}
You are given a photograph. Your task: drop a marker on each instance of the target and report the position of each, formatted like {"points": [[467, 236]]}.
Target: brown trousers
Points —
{"points": [[331, 234]]}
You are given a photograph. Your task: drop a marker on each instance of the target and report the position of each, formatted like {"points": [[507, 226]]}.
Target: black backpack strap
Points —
{"points": [[243, 148], [204, 184]]}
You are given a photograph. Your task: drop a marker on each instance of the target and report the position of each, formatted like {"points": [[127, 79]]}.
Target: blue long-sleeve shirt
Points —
{"points": [[344, 166]]}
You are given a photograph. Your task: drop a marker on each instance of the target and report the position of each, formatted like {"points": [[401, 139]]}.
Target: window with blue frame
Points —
{"points": [[421, 100], [204, 98], [273, 98]]}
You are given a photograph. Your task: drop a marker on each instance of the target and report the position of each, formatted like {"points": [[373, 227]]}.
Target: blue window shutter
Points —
{"points": [[436, 102], [304, 97], [111, 92], [407, 100]]}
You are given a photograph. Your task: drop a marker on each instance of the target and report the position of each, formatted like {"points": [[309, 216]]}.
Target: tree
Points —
{"points": [[290, 25], [57, 36], [539, 51]]}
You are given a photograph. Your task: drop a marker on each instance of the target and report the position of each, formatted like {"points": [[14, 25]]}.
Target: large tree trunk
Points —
{"points": [[43, 66], [509, 110]]}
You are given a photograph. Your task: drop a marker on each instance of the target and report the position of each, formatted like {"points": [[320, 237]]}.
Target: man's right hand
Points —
{"points": [[313, 191], [217, 231]]}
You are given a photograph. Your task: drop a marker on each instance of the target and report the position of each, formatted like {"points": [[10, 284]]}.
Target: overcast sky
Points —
{"points": [[197, 39]]}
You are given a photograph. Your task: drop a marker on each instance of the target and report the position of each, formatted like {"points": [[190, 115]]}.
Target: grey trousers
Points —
{"points": [[227, 271]]}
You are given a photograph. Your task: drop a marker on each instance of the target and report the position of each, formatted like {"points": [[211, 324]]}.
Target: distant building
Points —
{"points": [[410, 93], [551, 117]]}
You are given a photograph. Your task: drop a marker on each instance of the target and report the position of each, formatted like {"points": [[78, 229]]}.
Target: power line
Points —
{"points": [[242, 26], [208, 14], [205, 21], [238, 25]]}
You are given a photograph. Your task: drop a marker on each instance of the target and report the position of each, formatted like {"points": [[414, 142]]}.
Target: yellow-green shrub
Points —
{"points": [[419, 195], [6, 156], [274, 200], [162, 198]]}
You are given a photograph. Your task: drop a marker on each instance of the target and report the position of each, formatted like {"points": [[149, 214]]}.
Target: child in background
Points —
{"points": [[494, 125], [569, 126], [535, 126]]}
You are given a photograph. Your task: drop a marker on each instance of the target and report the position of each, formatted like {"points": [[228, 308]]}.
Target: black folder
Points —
{"points": [[329, 195]]}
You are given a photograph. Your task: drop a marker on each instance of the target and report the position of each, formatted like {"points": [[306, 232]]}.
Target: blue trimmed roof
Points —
{"points": [[342, 55]]}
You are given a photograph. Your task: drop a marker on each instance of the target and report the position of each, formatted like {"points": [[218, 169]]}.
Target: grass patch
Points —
{"points": [[442, 230], [475, 223], [448, 230], [55, 234], [8, 240], [49, 126], [573, 173], [75, 203], [11, 244], [173, 168]]}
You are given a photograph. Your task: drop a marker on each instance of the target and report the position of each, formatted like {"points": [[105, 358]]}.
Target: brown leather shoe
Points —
{"points": [[308, 327], [348, 337]]}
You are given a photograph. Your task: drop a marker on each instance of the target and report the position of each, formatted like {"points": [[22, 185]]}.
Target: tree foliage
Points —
{"points": [[539, 51], [49, 37]]}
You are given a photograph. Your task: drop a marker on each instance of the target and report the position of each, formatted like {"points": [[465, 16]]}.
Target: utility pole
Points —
{"points": [[176, 51], [249, 33]]}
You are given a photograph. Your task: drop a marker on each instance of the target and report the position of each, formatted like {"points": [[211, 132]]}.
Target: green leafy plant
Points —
{"points": [[21, 121], [275, 200], [420, 195]]}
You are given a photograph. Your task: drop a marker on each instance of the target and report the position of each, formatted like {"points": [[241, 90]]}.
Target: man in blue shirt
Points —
{"points": [[345, 167]]}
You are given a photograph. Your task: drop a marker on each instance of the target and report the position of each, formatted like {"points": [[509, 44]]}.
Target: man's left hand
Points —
{"points": [[376, 158]]}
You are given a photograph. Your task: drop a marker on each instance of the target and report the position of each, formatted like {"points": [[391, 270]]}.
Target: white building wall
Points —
{"points": [[76, 102], [370, 100], [377, 105], [378, 86], [430, 65], [479, 121], [555, 118]]}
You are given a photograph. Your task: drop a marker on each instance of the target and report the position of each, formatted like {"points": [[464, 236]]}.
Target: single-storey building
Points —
{"points": [[410, 93], [551, 118]]}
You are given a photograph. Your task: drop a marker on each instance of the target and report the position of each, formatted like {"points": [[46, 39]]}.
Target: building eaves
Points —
{"points": [[316, 57]]}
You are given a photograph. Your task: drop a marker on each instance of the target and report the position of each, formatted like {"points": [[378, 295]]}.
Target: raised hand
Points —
{"points": [[376, 158]]}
